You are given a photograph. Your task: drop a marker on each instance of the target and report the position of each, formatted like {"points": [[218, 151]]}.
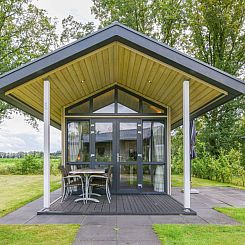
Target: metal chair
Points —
{"points": [[101, 181], [70, 182]]}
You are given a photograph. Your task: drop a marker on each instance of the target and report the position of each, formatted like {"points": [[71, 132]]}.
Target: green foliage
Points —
{"points": [[226, 168], [25, 34], [28, 165], [73, 30], [217, 36]]}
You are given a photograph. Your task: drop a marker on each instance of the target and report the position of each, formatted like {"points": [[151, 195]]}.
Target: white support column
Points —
{"points": [[169, 151], [186, 142], [46, 167]]}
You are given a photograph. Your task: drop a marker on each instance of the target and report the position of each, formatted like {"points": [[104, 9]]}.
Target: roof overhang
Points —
{"points": [[118, 55]]}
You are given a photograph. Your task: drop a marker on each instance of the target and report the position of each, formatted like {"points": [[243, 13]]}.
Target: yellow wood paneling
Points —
{"points": [[116, 63]]}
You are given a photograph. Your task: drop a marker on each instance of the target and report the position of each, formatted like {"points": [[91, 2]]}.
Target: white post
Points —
{"points": [[186, 142], [46, 167], [169, 151]]}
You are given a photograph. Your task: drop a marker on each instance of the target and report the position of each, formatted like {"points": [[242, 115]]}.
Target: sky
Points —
{"points": [[15, 134]]}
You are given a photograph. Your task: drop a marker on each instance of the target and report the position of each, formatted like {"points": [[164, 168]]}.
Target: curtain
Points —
{"points": [[74, 139], [158, 149]]}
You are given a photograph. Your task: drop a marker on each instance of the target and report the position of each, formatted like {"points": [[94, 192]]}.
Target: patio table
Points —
{"points": [[86, 172]]}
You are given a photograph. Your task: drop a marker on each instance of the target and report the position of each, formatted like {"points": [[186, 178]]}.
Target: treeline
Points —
{"points": [[23, 154]]}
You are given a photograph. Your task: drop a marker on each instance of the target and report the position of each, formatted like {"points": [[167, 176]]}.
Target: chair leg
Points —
{"points": [[107, 192], [64, 193]]}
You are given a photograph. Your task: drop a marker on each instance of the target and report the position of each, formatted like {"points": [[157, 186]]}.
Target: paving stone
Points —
{"points": [[132, 233], [138, 243], [133, 220], [100, 220], [97, 233], [95, 243], [167, 219]]}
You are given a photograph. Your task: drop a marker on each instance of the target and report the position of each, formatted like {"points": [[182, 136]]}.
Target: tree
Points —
{"points": [[73, 30], [25, 34], [160, 19], [217, 36]]}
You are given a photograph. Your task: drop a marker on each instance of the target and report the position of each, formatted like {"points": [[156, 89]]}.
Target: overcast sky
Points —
{"points": [[15, 134]]}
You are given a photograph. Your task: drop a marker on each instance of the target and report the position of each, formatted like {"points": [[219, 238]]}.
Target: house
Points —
{"points": [[116, 94]]}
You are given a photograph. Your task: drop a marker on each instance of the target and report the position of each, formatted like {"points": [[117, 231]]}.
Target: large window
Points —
{"points": [[78, 141], [103, 141], [153, 141], [116, 101]]}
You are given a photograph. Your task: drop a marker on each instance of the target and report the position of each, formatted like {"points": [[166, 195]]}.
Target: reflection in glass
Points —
{"points": [[128, 176], [103, 141], [78, 141], [104, 103], [149, 108], [153, 141], [128, 142], [80, 109], [127, 103], [153, 178]]}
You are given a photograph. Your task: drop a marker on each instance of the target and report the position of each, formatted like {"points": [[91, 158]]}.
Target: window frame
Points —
{"points": [[116, 88]]}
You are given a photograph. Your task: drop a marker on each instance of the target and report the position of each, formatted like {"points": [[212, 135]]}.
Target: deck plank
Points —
{"points": [[125, 204]]}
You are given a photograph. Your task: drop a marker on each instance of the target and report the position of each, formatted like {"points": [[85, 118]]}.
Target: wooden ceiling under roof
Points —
{"points": [[119, 64]]}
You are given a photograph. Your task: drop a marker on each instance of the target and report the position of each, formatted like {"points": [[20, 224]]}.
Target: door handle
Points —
{"points": [[118, 157]]}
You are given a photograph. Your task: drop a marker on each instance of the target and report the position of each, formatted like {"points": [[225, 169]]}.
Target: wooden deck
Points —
{"points": [[126, 204]]}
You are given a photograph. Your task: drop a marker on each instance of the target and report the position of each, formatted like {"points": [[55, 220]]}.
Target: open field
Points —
{"points": [[18, 190], [200, 234], [38, 234]]}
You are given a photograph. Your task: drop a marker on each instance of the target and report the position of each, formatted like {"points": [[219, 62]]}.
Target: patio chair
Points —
{"points": [[101, 181], [70, 182]]}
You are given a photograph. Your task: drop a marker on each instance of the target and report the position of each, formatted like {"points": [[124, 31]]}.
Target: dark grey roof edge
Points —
{"points": [[205, 109], [26, 108], [179, 52], [55, 51], [105, 36]]}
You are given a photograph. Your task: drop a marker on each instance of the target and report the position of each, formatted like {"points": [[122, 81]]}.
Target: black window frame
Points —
{"points": [[116, 88]]}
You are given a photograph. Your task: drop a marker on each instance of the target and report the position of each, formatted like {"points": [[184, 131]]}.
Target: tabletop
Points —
{"points": [[88, 171]]}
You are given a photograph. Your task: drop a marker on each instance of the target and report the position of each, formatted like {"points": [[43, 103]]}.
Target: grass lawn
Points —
{"points": [[177, 181], [235, 213], [18, 190], [200, 234], [37, 234]]}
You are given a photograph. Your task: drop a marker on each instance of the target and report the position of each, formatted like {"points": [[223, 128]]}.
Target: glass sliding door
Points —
{"points": [[153, 146], [103, 147], [127, 156]]}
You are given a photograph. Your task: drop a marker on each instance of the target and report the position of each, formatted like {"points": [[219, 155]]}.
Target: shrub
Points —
{"points": [[30, 165]]}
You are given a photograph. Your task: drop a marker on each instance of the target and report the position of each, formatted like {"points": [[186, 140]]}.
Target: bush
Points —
{"points": [[28, 165], [226, 168]]}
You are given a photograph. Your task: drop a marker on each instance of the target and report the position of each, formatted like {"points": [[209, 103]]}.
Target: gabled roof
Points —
{"points": [[117, 32]]}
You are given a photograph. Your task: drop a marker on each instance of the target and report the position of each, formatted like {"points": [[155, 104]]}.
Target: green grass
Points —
{"points": [[38, 234], [177, 181], [200, 234], [235, 213], [18, 190]]}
